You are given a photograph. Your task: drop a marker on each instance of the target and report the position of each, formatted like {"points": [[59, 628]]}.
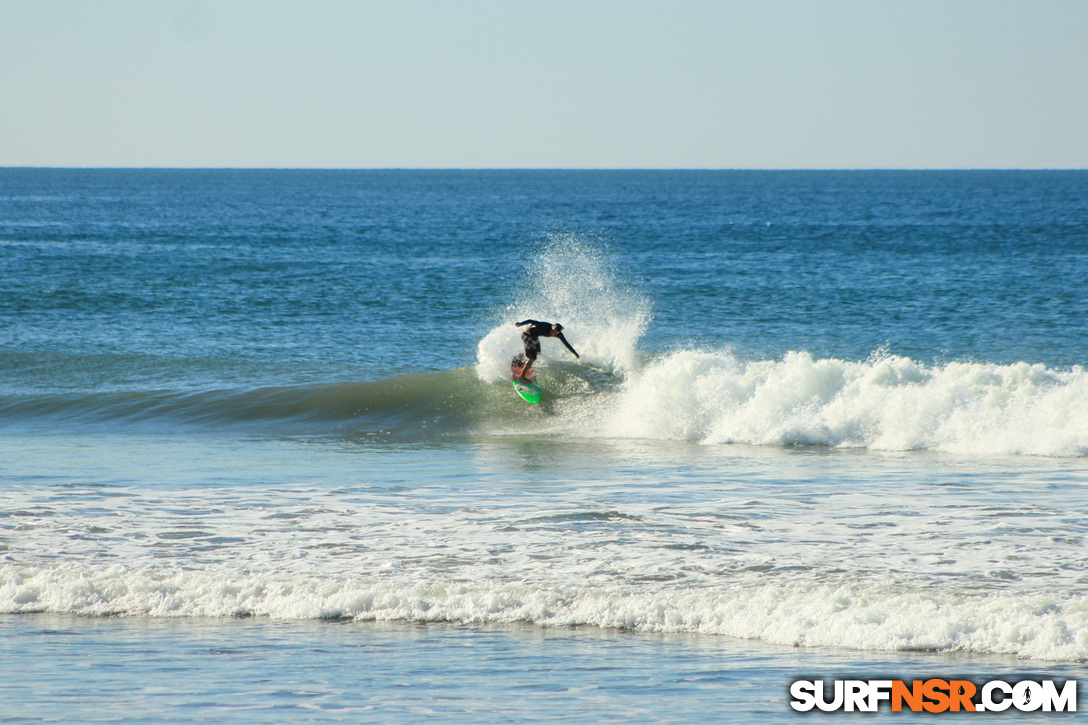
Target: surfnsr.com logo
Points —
{"points": [[933, 695]]}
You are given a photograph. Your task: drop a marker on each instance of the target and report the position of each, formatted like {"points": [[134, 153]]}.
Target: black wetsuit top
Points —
{"points": [[530, 337], [536, 328]]}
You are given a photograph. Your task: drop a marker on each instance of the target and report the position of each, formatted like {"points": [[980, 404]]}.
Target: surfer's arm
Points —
{"points": [[564, 341], [524, 323]]}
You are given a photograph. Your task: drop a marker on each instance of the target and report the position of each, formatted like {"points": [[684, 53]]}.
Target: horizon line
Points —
{"points": [[537, 168]]}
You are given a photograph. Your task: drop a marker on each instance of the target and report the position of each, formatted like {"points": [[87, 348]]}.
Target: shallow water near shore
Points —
{"points": [[209, 670]]}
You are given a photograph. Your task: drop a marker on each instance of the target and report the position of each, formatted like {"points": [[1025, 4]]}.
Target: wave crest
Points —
{"points": [[886, 403]]}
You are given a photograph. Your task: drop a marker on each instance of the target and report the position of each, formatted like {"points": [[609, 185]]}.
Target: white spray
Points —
{"points": [[570, 282]]}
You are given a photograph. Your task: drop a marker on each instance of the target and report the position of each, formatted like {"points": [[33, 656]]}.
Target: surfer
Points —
{"points": [[530, 337]]}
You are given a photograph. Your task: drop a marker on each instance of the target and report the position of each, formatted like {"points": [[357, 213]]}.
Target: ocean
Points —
{"points": [[261, 461]]}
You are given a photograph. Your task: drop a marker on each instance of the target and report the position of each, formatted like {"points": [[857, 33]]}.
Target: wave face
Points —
{"points": [[403, 401], [887, 403]]}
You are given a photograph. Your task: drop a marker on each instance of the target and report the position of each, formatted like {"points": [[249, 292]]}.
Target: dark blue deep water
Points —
{"points": [[202, 277]]}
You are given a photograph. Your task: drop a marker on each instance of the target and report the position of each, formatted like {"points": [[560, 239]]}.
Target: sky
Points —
{"points": [[718, 84]]}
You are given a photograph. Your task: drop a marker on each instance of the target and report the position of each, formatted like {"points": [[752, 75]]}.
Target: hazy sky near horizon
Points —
{"points": [[546, 84]]}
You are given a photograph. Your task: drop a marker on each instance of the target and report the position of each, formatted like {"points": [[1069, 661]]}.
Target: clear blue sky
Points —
{"points": [[545, 83]]}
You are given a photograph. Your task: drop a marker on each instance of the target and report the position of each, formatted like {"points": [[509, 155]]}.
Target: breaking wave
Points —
{"points": [[617, 390], [865, 616], [886, 403]]}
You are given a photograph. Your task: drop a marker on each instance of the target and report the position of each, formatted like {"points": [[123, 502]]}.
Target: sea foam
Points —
{"points": [[857, 615], [885, 403]]}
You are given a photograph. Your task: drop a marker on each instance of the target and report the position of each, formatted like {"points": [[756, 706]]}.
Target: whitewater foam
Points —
{"points": [[869, 564], [859, 615], [886, 403]]}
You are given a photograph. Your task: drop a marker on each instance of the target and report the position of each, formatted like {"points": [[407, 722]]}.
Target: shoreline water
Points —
{"points": [[792, 546], [133, 669]]}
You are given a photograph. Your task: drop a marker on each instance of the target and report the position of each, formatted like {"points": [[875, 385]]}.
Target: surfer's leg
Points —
{"points": [[532, 349]]}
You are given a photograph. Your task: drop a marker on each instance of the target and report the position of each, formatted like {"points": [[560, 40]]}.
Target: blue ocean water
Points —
{"points": [[830, 423]]}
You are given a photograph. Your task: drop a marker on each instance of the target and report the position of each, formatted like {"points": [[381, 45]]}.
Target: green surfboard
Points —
{"points": [[530, 392]]}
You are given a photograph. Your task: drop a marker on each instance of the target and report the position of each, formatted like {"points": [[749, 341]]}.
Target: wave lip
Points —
{"points": [[854, 615]]}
